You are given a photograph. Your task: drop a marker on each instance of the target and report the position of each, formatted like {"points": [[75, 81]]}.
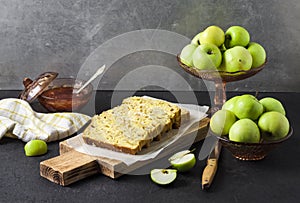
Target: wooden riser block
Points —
{"points": [[69, 168]]}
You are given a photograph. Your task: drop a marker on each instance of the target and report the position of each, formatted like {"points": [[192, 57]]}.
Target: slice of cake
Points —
{"points": [[133, 124]]}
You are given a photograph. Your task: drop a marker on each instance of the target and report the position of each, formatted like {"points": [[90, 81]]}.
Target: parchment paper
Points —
{"points": [[196, 114]]}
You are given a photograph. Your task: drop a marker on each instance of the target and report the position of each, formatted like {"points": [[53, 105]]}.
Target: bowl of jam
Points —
{"points": [[61, 95]]}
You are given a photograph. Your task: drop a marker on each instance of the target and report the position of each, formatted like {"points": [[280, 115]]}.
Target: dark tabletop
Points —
{"points": [[276, 178]]}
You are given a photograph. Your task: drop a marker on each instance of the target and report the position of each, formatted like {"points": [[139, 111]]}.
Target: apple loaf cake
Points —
{"points": [[132, 125]]}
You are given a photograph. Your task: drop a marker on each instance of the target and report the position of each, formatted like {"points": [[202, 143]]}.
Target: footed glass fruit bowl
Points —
{"points": [[220, 78], [251, 151], [213, 75]]}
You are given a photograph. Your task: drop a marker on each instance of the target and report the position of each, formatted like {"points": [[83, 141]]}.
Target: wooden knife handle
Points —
{"points": [[209, 173]]}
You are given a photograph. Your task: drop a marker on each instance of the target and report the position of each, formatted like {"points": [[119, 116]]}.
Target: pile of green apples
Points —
{"points": [[246, 119], [231, 51]]}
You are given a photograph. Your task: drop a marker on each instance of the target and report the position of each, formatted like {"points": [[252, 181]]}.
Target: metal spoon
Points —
{"points": [[99, 71]]}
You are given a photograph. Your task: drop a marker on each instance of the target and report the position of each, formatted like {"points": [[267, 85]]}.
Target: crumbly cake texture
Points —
{"points": [[132, 125]]}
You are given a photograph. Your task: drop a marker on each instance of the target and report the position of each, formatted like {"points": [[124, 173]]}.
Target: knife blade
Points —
{"points": [[211, 166]]}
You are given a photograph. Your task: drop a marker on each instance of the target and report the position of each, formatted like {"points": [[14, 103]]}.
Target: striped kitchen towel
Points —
{"points": [[18, 119]]}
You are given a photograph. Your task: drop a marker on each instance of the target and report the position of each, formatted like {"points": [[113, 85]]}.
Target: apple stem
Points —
{"points": [[192, 150], [209, 52]]}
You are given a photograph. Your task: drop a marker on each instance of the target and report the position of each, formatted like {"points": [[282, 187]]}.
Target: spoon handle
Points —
{"points": [[99, 71]]}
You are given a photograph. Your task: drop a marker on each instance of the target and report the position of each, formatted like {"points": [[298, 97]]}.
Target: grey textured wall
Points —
{"points": [[59, 35]]}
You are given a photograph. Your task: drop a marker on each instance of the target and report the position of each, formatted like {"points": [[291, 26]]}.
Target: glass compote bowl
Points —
{"points": [[251, 151], [220, 78]]}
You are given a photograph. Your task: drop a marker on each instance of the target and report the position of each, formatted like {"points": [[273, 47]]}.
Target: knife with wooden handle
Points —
{"points": [[211, 167]]}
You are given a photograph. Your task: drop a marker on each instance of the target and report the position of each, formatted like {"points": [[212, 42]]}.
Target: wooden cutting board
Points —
{"points": [[71, 166]]}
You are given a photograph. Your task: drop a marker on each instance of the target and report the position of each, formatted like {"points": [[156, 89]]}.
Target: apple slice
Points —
{"points": [[183, 161], [163, 176]]}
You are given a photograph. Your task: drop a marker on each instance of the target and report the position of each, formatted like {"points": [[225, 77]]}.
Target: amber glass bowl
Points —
{"points": [[220, 79], [251, 151], [213, 75], [61, 96]]}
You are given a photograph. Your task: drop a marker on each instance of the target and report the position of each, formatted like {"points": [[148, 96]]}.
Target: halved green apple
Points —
{"points": [[183, 160], [163, 176]]}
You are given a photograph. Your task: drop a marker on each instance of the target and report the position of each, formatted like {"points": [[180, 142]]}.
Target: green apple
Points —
{"points": [[236, 36], [236, 59], [247, 106], [207, 56], [229, 104], [272, 104], [221, 122], [35, 148], [273, 125], [258, 54], [183, 160], [244, 130], [163, 176], [186, 55], [196, 39], [212, 35]]}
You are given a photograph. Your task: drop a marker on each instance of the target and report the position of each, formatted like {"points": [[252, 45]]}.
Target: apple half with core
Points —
{"points": [[183, 160], [236, 36], [247, 106], [163, 176], [244, 130], [273, 125], [207, 57], [221, 122], [211, 35], [186, 55], [272, 104], [236, 59], [258, 54]]}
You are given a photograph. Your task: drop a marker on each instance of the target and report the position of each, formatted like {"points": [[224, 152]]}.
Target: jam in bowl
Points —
{"points": [[61, 96]]}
